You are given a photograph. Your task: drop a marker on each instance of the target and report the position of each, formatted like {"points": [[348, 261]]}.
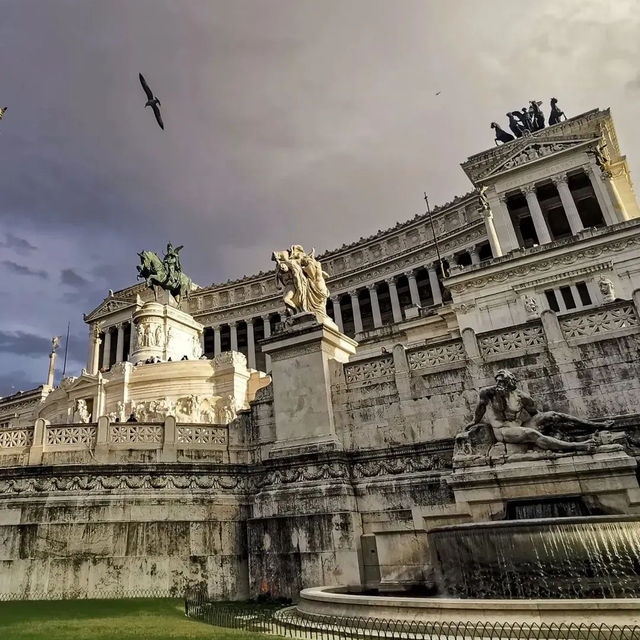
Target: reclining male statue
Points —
{"points": [[514, 419]]}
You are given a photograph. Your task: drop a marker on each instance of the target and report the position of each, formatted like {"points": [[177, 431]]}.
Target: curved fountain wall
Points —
{"points": [[585, 557]]}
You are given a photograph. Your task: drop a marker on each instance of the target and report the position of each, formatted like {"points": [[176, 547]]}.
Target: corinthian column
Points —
{"points": [[106, 353], [251, 346], [436, 292], [568, 203], [120, 343], [494, 243], [234, 335], [355, 305], [267, 333], [602, 195], [395, 301], [375, 305], [536, 214], [217, 341], [413, 288], [337, 312]]}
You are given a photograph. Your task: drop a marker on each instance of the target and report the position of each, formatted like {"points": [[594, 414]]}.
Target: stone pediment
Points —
{"points": [[531, 150], [591, 125], [108, 306]]}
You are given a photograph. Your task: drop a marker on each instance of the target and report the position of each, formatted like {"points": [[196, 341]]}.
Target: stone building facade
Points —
{"points": [[540, 275]]}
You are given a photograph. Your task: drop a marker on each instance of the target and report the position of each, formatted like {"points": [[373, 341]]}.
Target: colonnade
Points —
{"points": [[501, 226]]}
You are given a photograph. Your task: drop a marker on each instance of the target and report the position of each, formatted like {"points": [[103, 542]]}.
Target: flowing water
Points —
{"points": [[586, 557]]}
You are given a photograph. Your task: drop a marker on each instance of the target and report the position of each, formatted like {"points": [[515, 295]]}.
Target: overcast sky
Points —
{"points": [[286, 121]]}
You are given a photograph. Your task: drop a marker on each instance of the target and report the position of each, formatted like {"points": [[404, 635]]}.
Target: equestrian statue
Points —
{"points": [[165, 274]]}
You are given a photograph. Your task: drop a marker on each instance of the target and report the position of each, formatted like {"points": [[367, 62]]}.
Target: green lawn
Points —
{"points": [[152, 619]]}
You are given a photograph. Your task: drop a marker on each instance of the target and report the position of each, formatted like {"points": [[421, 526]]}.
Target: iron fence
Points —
{"points": [[286, 621], [98, 595]]}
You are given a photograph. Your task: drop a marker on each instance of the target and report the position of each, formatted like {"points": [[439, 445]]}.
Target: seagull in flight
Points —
{"points": [[152, 101], [438, 93]]}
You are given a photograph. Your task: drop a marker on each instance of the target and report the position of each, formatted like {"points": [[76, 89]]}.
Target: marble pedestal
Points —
{"points": [[605, 480], [165, 332], [301, 355]]}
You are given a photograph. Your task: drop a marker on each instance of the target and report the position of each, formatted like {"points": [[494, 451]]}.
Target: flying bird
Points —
{"points": [[438, 93], [152, 101], [2, 112]]}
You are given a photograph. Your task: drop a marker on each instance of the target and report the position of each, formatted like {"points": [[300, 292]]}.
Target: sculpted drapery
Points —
{"points": [[301, 276]]}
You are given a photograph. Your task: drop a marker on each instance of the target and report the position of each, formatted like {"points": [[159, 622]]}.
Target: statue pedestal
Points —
{"points": [[604, 481], [165, 332], [301, 355]]}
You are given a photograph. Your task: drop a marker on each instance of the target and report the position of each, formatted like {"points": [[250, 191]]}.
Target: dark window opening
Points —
{"points": [[485, 252], [528, 234], [209, 342], [552, 300], [463, 259], [366, 312], [583, 292], [225, 338], [558, 223], [567, 296]]}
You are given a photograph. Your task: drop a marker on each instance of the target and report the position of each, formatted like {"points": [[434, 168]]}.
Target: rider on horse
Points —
{"points": [[172, 263]]}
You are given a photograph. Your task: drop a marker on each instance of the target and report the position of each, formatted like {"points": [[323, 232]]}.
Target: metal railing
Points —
{"points": [[285, 621]]}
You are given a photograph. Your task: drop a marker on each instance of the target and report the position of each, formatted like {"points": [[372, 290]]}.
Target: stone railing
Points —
{"points": [[615, 319], [104, 441], [447, 355], [371, 369], [526, 338], [72, 436], [16, 438]]}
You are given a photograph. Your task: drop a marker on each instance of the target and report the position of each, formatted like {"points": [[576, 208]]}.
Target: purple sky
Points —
{"points": [[286, 121]]}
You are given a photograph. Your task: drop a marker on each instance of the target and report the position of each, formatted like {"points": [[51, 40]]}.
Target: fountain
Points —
{"points": [[554, 536], [586, 557]]}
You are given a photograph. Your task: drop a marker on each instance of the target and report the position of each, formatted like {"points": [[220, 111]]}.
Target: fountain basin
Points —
{"points": [[348, 602], [592, 557]]}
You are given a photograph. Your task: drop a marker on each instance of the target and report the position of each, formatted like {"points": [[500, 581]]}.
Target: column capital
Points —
{"points": [[249, 322], [410, 273], [119, 325], [266, 317], [335, 299], [391, 281], [528, 188], [372, 286], [233, 323], [559, 179], [353, 293], [502, 197]]}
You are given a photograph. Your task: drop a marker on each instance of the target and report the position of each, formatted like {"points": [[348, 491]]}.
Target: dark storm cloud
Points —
{"points": [[73, 279], [286, 121], [25, 344], [16, 380], [21, 270], [17, 244]]}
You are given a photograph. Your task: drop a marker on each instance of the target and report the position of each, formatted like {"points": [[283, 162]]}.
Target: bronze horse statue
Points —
{"points": [[155, 273]]}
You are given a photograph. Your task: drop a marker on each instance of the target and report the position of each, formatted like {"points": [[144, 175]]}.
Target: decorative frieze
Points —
{"points": [[600, 321], [369, 370], [518, 339], [436, 355], [231, 482]]}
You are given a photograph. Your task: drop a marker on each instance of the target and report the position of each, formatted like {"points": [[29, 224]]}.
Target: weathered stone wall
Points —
{"points": [[126, 530], [584, 363]]}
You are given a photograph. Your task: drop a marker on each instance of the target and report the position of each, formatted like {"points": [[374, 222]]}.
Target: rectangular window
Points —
{"points": [[583, 291], [567, 296], [552, 300]]}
